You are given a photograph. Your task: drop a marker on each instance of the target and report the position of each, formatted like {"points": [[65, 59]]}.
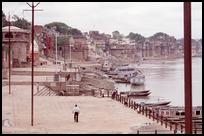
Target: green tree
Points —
{"points": [[137, 37], [74, 31], [131, 36], [63, 40], [21, 22], [4, 21], [59, 26], [63, 28], [160, 35]]}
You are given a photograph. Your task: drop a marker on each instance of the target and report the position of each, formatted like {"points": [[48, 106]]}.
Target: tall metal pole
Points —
{"points": [[70, 52], [56, 50], [187, 68], [9, 55], [32, 87], [32, 75]]}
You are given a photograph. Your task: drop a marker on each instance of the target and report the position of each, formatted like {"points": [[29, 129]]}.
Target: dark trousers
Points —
{"points": [[76, 115]]}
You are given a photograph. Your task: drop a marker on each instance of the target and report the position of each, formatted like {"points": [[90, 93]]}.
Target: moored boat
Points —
{"points": [[158, 103], [137, 80], [138, 94], [128, 92], [129, 74]]}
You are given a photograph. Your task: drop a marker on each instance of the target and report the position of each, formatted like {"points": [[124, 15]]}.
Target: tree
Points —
{"points": [[116, 34], [137, 37], [59, 27], [160, 36], [63, 40], [21, 22], [4, 21], [74, 31], [63, 28]]}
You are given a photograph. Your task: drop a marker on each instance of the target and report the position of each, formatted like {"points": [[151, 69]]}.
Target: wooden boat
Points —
{"points": [[121, 81], [158, 103], [128, 92], [137, 80], [138, 94]]}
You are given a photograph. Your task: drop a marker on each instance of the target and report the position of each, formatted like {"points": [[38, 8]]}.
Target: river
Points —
{"points": [[165, 79]]}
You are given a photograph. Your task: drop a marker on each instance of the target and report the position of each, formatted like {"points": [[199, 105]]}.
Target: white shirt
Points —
{"points": [[75, 109]]}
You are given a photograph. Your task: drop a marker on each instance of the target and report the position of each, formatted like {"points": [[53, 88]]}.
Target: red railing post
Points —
{"points": [[139, 106], [161, 120], [142, 110], [132, 104], [166, 122], [128, 102], [175, 126], [170, 124], [157, 117], [149, 113], [195, 129], [146, 111], [181, 128], [153, 115]]}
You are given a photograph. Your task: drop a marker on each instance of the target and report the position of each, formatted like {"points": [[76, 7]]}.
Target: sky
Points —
{"points": [[145, 18]]}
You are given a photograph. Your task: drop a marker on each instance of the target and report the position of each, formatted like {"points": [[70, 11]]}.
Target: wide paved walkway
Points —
{"points": [[53, 114]]}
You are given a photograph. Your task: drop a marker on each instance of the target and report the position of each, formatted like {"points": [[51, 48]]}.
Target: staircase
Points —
{"points": [[46, 91]]}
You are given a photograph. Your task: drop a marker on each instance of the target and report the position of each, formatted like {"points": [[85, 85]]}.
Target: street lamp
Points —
{"points": [[71, 43], [56, 34]]}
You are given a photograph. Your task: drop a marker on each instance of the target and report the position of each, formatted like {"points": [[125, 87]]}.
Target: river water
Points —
{"points": [[165, 79]]}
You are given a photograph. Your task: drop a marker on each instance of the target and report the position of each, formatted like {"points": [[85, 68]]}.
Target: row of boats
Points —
{"points": [[130, 74], [125, 74], [144, 93]]}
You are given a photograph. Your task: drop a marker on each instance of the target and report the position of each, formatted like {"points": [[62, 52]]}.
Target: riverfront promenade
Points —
{"points": [[53, 114]]}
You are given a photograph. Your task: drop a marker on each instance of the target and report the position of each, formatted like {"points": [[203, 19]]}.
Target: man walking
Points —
{"points": [[76, 113]]}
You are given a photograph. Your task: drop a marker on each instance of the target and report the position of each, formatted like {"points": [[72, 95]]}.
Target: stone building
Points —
{"points": [[98, 42], [80, 48], [19, 44], [78, 45]]}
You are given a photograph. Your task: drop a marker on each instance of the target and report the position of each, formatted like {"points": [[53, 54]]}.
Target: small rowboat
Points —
{"points": [[138, 94], [130, 92], [158, 103]]}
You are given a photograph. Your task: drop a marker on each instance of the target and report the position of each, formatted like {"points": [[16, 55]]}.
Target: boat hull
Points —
{"points": [[137, 80], [138, 94]]}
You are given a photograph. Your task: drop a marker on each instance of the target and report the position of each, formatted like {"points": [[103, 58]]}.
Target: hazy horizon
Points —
{"points": [[145, 18]]}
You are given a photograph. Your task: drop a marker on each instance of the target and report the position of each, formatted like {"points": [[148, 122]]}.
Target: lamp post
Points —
{"points": [[32, 69], [9, 55], [56, 49], [71, 43]]}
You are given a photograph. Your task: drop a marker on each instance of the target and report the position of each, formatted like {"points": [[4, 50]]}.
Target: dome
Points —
{"points": [[14, 29]]}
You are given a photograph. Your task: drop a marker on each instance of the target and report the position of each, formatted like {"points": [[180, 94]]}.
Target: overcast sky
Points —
{"points": [[146, 18]]}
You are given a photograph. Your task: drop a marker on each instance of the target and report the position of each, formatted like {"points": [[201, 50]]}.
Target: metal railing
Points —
{"points": [[151, 114]]}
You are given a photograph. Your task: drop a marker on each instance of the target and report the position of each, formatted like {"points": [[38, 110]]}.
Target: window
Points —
{"points": [[7, 35], [177, 113], [18, 36], [197, 112], [182, 113]]}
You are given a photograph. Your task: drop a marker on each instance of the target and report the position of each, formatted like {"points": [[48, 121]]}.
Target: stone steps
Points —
{"points": [[45, 91]]}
